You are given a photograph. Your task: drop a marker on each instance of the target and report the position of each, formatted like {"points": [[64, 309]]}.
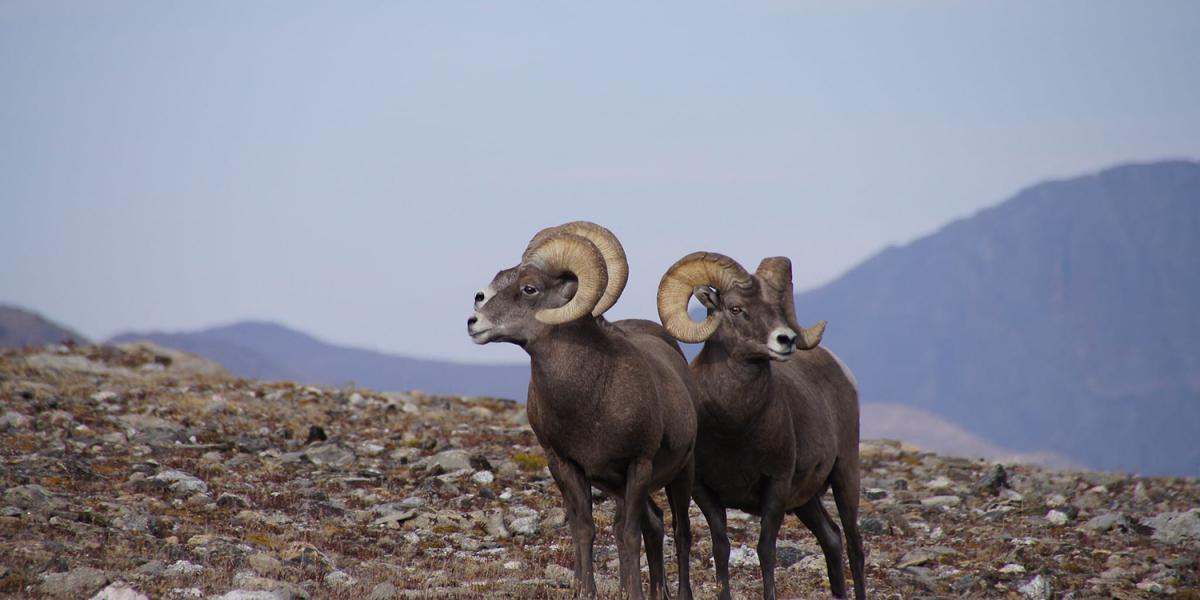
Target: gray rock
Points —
{"points": [[254, 595], [247, 581], [873, 526], [330, 454], [743, 556], [1104, 522], [132, 519], [76, 583], [789, 553], [1140, 494], [141, 422], [875, 494], [559, 575], [1037, 588], [32, 497], [339, 579], [395, 517], [182, 568], [181, 483], [524, 525], [1176, 527], [12, 419], [450, 460], [265, 564], [1057, 517], [995, 479], [941, 501], [303, 554], [383, 591], [151, 568], [555, 517], [914, 558], [412, 502], [493, 523], [227, 500], [119, 591], [71, 363]]}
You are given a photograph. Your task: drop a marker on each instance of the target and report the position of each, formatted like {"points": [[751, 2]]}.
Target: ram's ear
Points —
{"points": [[709, 297]]}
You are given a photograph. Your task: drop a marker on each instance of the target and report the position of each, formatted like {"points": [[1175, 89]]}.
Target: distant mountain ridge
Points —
{"points": [[20, 327], [263, 350], [1064, 318]]}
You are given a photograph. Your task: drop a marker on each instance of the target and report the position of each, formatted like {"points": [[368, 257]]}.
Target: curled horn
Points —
{"points": [[680, 281], [567, 253], [777, 273], [610, 248]]}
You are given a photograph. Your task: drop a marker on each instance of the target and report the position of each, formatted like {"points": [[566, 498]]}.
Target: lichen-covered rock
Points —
{"points": [[1176, 527], [79, 582]]}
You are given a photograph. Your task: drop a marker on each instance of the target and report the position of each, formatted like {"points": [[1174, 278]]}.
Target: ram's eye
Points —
{"points": [[737, 310], [478, 297], [529, 290]]}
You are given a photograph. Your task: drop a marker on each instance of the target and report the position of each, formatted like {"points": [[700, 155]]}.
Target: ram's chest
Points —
{"points": [[599, 440]]}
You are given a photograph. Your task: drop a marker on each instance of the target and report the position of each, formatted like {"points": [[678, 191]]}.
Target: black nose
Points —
{"points": [[471, 321], [785, 339]]}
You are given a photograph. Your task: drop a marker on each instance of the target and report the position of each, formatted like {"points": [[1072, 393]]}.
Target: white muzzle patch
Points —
{"points": [[781, 341]]}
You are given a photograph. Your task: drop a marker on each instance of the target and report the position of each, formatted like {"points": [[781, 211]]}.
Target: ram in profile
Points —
{"points": [[611, 403], [777, 427]]}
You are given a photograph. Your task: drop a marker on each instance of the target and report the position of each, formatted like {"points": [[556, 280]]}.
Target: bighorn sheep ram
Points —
{"points": [[777, 427], [611, 403]]}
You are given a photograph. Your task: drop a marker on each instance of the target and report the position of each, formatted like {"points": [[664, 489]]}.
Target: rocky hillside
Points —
{"points": [[143, 473]]}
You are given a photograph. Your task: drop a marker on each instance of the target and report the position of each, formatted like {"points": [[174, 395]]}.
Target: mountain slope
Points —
{"points": [[269, 351], [1064, 318], [20, 327]]}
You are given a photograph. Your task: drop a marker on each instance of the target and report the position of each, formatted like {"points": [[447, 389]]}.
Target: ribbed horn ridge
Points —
{"points": [[567, 253], [698, 268], [610, 248], [776, 272]]}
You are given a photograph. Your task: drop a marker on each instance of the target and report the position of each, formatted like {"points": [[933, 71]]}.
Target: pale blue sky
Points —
{"points": [[358, 169]]}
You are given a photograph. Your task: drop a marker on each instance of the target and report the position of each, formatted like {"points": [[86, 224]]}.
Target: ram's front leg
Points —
{"points": [[774, 496], [628, 527], [577, 501]]}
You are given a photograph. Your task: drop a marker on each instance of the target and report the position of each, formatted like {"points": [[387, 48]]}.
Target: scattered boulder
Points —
{"points": [[79, 582], [994, 480], [181, 483], [12, 419], [32, 497], [450, 460], [383, 591], [330, 454], [1037, 588], [1176, 527], [559, 575], [119, 591]]}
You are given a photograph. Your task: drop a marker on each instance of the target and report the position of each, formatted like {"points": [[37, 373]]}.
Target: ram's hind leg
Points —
{"points": [[652, 534], [814, 517], [679, 495], [844, 481], [628, 526]]}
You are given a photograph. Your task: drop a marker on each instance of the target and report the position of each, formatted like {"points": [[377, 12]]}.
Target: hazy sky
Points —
{"points": [[358, 169]]}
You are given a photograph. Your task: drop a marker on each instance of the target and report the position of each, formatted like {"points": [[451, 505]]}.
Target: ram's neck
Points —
{"points": [[570, 365], [737, 389]]}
